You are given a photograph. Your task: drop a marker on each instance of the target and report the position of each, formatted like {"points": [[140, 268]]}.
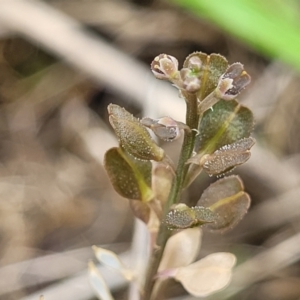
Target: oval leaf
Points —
{"points": [[132, 135], [181, 249], [212, 67], [182, 217], [226, 158], [227, 199], [227, 123], [130, 177], [208, 275]]}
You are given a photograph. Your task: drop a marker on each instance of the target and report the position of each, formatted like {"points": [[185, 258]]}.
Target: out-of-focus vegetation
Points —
{"points": [[271, 26]]}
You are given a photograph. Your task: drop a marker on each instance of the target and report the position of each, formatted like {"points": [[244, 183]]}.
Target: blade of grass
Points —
{"points": [[271, 27]]}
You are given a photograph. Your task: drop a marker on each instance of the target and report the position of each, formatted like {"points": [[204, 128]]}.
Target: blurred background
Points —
{"points": [[63, 61]]}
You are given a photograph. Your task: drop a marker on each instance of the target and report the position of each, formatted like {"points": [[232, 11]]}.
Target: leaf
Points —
{"points": [[132, 135], [98, 284], [227, 199], [213, 66], [226, 158], [181, 249], [208, 275], [225, 124], [182, 217], [110, 259], [130, 177]]}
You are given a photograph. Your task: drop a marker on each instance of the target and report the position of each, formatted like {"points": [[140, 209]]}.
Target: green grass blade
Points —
{"points": [[270, 26]]}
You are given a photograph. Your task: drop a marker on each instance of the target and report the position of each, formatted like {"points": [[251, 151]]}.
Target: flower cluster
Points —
{"points": [[230, 83]]}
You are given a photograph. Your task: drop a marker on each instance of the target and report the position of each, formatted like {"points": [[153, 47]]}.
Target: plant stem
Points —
{"points": [[164, 233]]}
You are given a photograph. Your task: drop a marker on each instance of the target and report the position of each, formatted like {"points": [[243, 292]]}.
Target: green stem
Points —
{"points": [[174, 196]]}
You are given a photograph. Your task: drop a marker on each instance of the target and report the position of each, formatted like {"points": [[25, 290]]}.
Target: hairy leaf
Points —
{"points": [[182, 217], [130, 177], [226, 158], [133, 136], [227, 199], [225, 124]]}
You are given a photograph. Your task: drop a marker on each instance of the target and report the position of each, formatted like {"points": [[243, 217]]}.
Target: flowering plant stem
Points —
{"points": [[192, 120]]}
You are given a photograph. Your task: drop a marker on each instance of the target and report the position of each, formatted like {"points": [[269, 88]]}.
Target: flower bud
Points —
{"points": [[194, 63], [165, 67], [190, 81], [165, 128], [232, 82]]}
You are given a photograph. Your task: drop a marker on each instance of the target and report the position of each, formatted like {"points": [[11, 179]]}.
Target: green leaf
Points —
{"points": [[213, 66], [133, 136], [227, 199], [225, 124], [130, 177]]}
